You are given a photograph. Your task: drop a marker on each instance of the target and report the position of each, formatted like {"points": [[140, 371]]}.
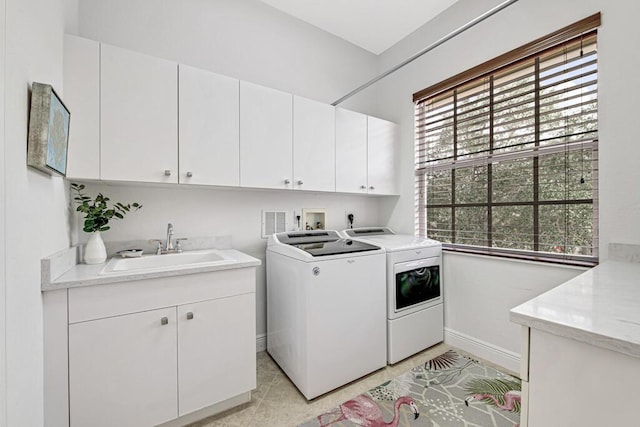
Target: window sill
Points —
{"points": [[542, 257]]}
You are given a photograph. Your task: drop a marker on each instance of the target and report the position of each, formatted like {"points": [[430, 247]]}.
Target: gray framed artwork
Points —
{"points": [[48, 131]]}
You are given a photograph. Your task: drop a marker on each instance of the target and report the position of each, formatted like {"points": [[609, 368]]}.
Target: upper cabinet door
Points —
{"points": [[313, 145], [266, 135], [382, 156], [139, 126], [209, 141], [351, 151], [82, 98]]}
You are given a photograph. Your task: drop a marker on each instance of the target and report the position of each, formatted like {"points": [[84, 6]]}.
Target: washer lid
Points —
{"points": [[341, 246], [323, 242]]}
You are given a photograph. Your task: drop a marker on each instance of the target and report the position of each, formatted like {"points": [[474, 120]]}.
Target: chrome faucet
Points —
{"points": [[169, 247], [169, 244]]}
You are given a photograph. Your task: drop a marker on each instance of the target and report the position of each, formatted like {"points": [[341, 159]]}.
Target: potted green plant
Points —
{"points": [[97, 214]]}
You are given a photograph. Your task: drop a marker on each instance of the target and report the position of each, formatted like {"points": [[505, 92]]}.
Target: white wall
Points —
{"points": [[3, 327], [495, 286], [479, 291], [37, 219], [244, 39]]}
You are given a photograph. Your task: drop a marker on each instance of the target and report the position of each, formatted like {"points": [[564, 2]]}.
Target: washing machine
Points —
{"points": [[415, 309], [326, 298]]}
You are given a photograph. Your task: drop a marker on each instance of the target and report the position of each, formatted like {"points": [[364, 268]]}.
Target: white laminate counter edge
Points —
{"points": [[599, 307], [89, 275]]}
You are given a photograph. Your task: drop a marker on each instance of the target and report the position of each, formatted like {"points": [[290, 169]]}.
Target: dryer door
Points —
{"points": [[417, 284]]}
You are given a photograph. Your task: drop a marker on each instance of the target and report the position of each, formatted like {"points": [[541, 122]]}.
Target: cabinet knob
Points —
{"points": [[372, 188], [363, 187], [189, 315], [167, 172], [164, 321], [300, 182], [189, 174], [287, 181]]}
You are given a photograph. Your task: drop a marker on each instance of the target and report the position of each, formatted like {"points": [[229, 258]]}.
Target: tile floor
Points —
{"points": [[276, 402]]}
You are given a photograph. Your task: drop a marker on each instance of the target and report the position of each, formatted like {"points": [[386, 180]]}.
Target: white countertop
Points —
{"points": [[88, 275], [599, 307]]}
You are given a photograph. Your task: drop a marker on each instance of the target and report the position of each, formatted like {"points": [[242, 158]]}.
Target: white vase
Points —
{"points": [[95, 251]]}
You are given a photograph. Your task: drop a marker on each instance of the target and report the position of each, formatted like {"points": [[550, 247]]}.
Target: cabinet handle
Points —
{"points": [[372, 188], [363, 187], [167, 172], [189, 174], [287, 181], [300, 182], [189, 315], [164, 321]]}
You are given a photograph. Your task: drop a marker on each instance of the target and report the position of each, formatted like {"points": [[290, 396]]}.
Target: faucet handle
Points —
{"points": [[159, 248], [178, 246]]}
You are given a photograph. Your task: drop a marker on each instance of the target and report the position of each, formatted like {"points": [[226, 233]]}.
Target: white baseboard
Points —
{"points": [[482, 349], [261, 343]]}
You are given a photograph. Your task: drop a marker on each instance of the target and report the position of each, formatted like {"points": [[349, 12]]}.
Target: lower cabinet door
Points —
{"points": [[122, 370], [216, 351]]}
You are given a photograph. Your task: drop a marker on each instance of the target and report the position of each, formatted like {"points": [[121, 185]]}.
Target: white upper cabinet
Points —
{"points": [[365, 154], [139, 112], [139, 118], [381, 156], [313, 145], [209, 134], [266, 135], [82, 98], [351, 151]]}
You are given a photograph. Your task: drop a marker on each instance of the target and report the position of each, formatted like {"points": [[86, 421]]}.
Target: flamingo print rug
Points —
{"points": [[448, 390]]}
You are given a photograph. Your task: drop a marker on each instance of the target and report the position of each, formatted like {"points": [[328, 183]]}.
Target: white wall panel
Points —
{"points": [[37, 212]]}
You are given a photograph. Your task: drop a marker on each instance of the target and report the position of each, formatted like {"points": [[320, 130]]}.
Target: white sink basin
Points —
{"points": [[203, 258]]}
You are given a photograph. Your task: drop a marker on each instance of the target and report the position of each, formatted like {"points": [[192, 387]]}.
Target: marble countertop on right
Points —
{"points": [[600, 307]]}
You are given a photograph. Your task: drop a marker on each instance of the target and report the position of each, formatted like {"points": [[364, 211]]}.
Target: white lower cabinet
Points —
{"points": [[573, 383], [216, 351], [147, 352], [122, 370]]}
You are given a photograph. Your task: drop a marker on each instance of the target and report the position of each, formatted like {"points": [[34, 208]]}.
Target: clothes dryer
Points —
{"points": [[415, 310]]}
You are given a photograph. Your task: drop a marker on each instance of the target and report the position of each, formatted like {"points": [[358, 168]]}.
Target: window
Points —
{"points": [[507, 158]]}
